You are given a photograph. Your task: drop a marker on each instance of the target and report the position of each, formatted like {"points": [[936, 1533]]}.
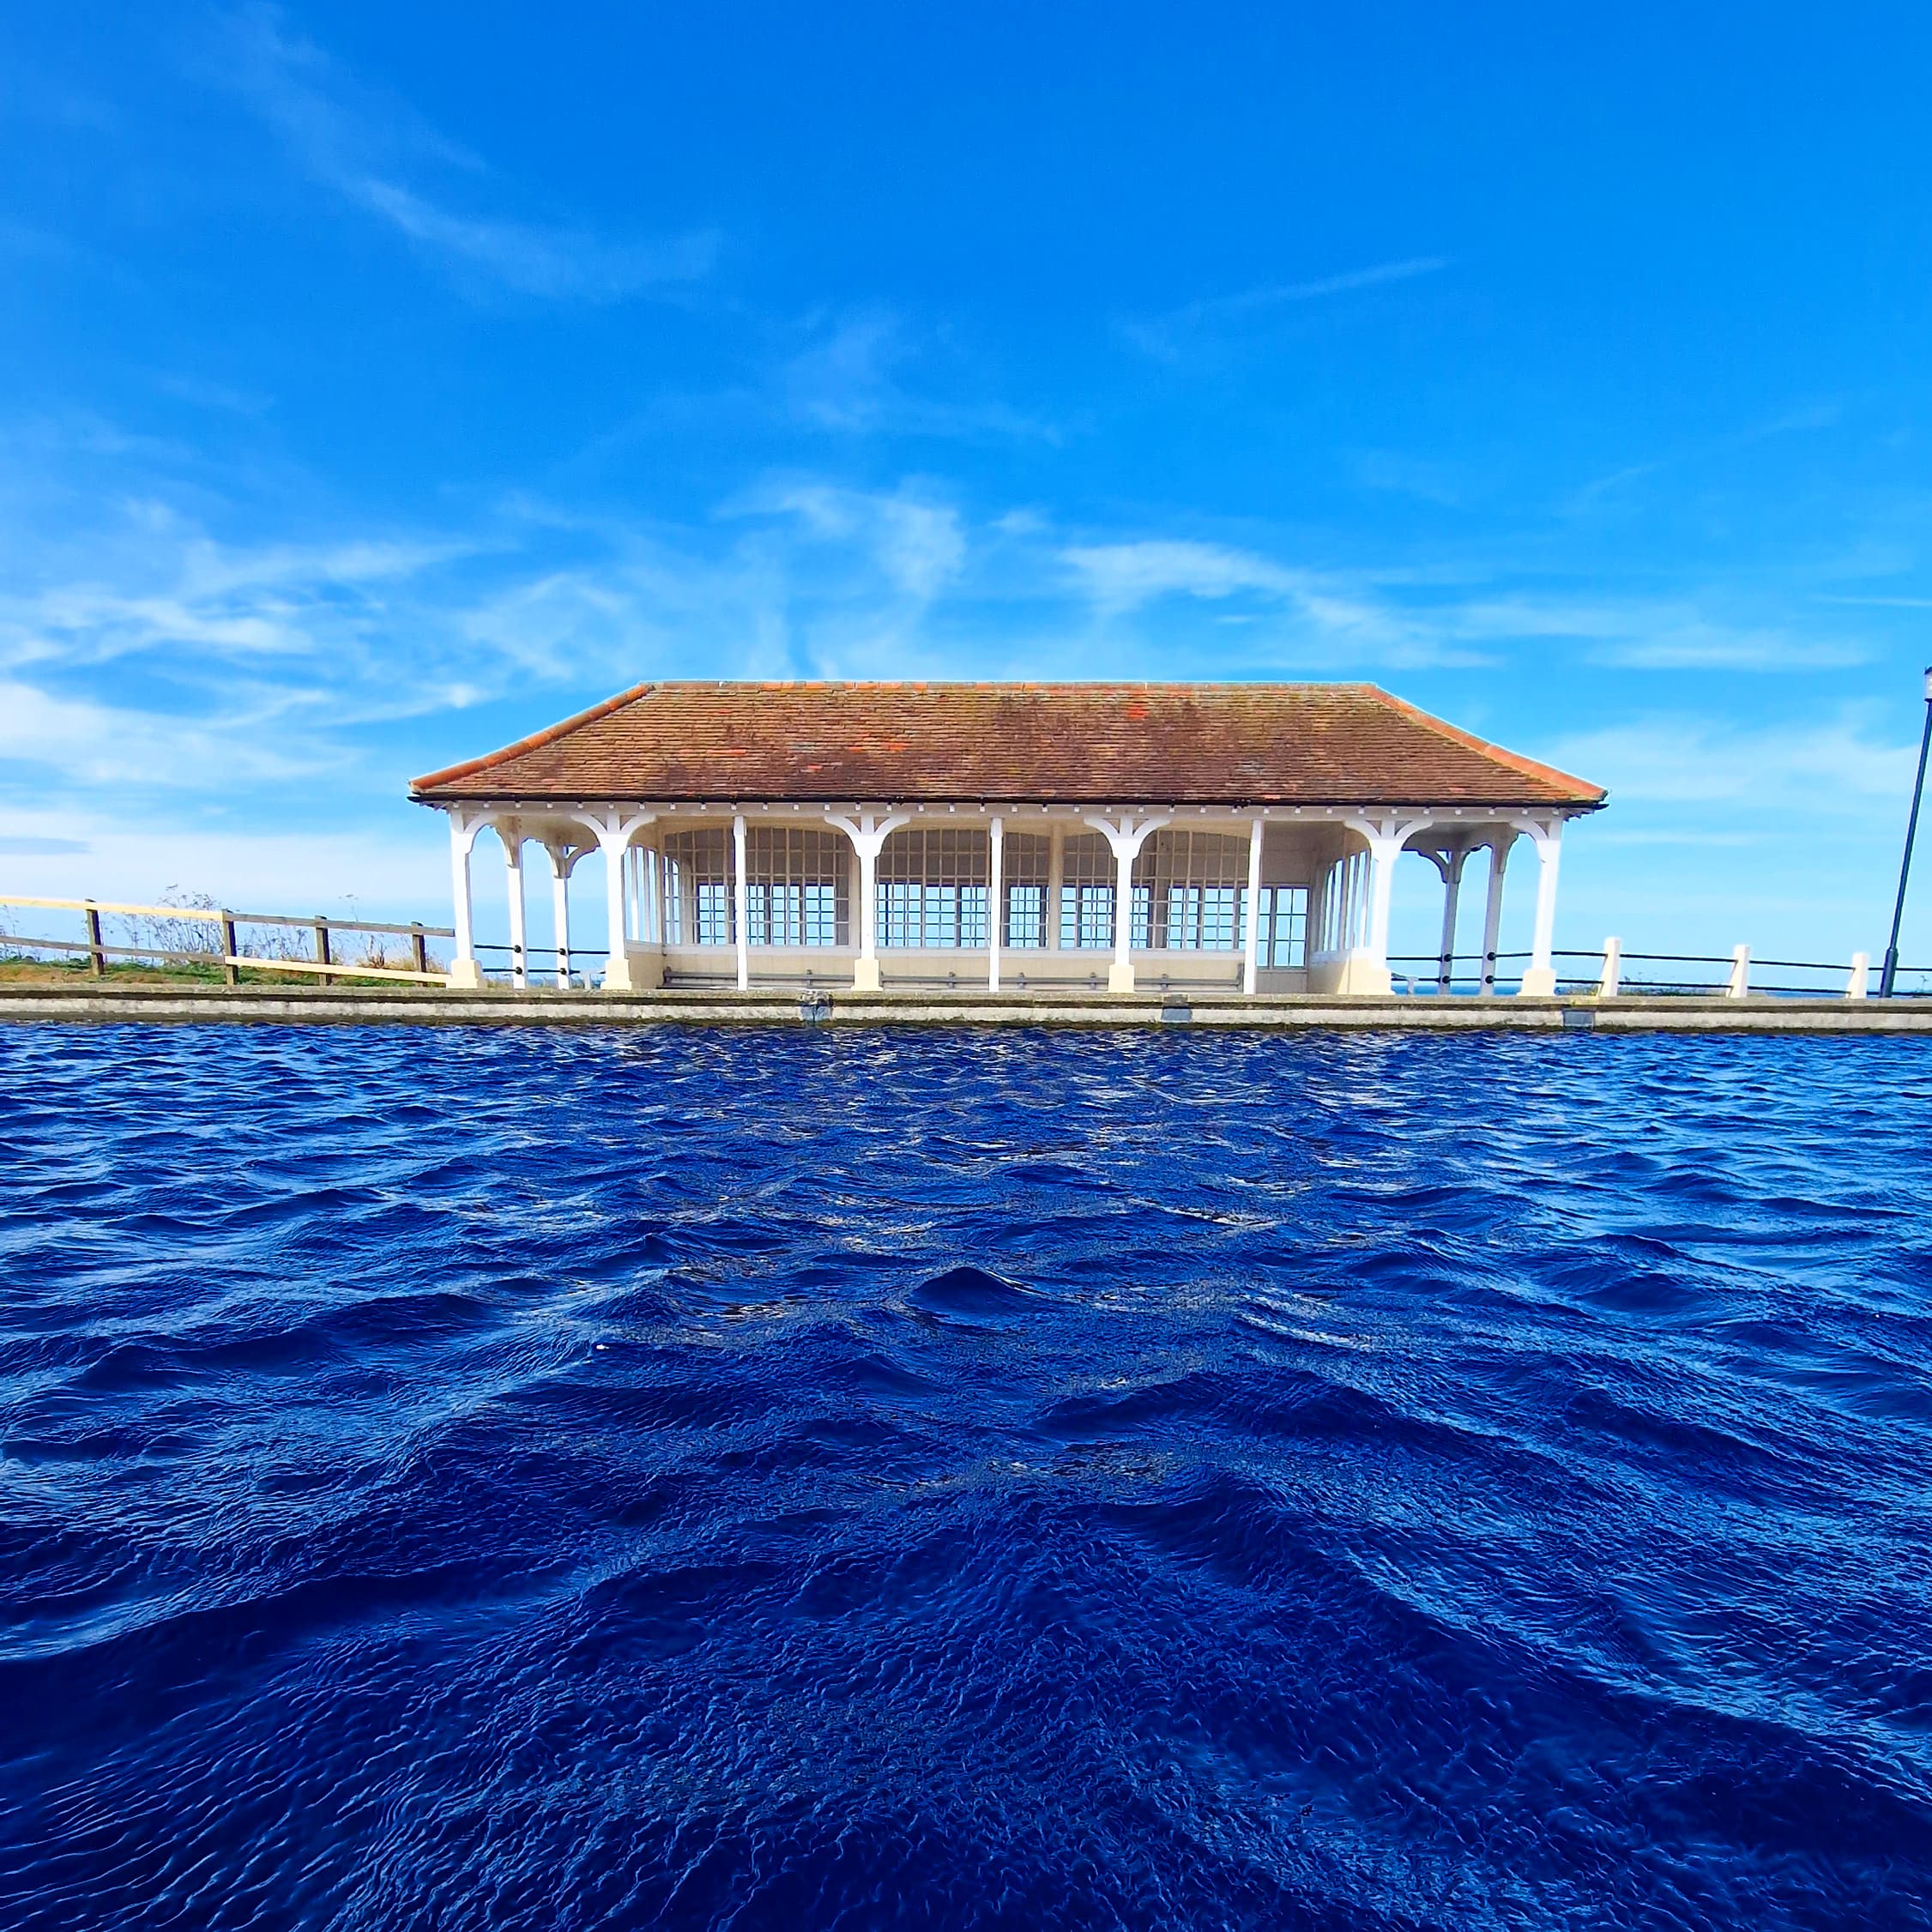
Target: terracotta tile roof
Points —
{"points": [[1302, 744]]}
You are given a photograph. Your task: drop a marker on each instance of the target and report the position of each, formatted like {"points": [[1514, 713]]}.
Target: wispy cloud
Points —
{"points": [[1653, 634], [1836, 767], [1122, 576], [365, 145], [168, 588], [85, 741], [849, 378], [1805, 419], [1295, 619], [1167, 336]]}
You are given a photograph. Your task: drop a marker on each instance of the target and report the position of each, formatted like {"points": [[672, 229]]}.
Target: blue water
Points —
{"points": [[809, 1479]]}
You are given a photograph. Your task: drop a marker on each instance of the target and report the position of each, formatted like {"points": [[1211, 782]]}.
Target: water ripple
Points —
{"points": [[471, 1479]]}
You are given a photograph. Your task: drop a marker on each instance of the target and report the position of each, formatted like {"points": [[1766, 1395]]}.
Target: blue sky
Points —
{"points": [[380, 383]]}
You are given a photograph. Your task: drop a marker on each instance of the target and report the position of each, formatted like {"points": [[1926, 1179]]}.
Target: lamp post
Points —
{"points": [[1891, 971]]}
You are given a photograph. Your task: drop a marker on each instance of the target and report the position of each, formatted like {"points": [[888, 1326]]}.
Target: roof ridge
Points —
{"points": [[1001, 684]]}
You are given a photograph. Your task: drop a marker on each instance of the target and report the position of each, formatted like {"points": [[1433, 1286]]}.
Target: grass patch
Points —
{"points": [[72, 975]]}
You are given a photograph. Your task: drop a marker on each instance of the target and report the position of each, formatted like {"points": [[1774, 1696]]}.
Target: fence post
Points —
{"points": [[1740, 973], [230, 975], [1861, 971], [1613, 970], [419, 948], [321, 948], [97, 953]]}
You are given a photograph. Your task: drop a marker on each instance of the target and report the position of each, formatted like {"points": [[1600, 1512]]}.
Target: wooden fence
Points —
{"points": [[326, 964]]}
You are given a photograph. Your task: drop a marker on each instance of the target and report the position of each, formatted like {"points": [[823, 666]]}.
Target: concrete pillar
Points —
{"points": [[464, 971], [1740, 973], [512, 838], [1251, 961], [995, 909], [1539, 982], [1612, 976], [1855, 987], [1493, 907]]}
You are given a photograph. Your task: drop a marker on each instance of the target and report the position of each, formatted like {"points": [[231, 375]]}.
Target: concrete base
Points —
{"points": [[638, 970], [466, 975], [1539, 982], [498, 1006], [1120, 976], [865, 976], [1363, 977]]}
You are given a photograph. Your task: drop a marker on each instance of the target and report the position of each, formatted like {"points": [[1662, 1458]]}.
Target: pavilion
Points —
{"points": [[1044, 837]]}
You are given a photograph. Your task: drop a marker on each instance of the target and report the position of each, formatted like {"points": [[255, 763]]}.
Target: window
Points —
{"points": [[932, 888], [796, 887], [1086, 893], [1026, 861], [1283, 936], [697, 888], [1191, 893], [1343, 904]]}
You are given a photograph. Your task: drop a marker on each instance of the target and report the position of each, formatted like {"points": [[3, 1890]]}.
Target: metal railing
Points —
{"points": [[528, 960], [1737, 974], [324, 964]]}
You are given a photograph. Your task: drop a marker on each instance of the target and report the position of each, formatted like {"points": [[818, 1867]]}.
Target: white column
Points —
{"points": [[650, 927], [740, 904], [463, 968], [1740, 973], [1125, 838], [1251, 962], [1056, 882], [1367, 969], [1856, 985], [616, 959], [615, 831], [868, 832], [1539, 982], [1493, 907], [1381, 864], [865, 973], [560, 910], [1450, 864], [995, 908], [512, 836]]}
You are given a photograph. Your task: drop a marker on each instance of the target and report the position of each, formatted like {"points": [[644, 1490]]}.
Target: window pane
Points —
{"points": [[696, 886], [797, 886], [1283, 936], [933, 884]]}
